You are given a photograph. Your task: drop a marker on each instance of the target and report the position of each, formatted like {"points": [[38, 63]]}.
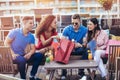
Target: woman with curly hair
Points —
{"points": [[45, 33]]}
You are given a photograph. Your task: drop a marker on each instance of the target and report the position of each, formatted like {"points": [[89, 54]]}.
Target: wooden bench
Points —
{"points": [[117, 68], [79, 64], [6, 63], [114, 52]]}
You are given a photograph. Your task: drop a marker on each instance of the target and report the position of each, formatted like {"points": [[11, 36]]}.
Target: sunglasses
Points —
{"points": [[73, 23]]}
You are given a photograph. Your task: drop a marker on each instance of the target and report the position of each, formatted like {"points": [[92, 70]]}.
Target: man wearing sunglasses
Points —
{"points": [[77, 32]]}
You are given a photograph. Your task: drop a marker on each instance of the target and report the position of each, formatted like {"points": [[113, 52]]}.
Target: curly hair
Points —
{"points": [[44, 25]]}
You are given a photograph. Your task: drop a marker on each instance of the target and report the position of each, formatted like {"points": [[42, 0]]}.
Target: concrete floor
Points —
{"points": [[42, 74]]}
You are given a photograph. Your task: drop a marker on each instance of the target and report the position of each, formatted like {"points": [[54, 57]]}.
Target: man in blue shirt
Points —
{"points": [[17, 40], [76, 32]]}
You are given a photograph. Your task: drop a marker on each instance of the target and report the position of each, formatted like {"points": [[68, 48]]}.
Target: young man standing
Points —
{"points": [[17, 40], [77, 32]]}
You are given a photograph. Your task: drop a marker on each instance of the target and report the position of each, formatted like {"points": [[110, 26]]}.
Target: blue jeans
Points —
{"points": [[35, 59], [80, 52], [92, 46]]}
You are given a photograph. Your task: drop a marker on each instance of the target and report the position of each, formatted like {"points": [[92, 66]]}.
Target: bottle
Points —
{"points": [[89, 55]]}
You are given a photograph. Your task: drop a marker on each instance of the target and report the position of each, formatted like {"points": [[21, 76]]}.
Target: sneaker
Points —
{"points": [[47, 76], [81, 74], [38, 79], [63, 77], [83, 78], [33, 78]]}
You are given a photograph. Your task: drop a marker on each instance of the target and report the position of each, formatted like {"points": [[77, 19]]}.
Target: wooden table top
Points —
{"points": [[72, 64]]}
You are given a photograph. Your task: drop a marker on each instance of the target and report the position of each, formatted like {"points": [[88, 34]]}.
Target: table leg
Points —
{"points": [[71, 72], [90, 73], [51, 74]]}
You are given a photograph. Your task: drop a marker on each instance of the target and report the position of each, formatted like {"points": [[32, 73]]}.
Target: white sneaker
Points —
{"points": [[63, 78], [83, 78], [47, 76]]}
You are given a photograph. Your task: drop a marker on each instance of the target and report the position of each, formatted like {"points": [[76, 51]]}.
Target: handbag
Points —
{"points": [[64, 50], [55, 45]]}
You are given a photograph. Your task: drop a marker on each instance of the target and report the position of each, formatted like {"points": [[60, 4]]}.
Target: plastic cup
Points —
{"points": [[51, 57], [90, 56]]}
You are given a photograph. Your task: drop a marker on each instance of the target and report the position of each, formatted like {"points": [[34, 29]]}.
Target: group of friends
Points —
{"points": [[46, 31]]}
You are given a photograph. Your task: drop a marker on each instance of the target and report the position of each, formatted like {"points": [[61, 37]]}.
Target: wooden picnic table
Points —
{"points": [[80, 64]]}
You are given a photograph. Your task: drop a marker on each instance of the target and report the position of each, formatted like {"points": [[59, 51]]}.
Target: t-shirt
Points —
{"points": [[40, 45], [77, 36], [20, 41]]}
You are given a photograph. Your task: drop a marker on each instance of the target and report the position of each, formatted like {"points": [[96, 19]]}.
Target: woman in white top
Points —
{"points": [[97, 36]]}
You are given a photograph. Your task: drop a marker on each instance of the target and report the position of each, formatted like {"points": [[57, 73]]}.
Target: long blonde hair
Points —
{"points": [[44, 25]]}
